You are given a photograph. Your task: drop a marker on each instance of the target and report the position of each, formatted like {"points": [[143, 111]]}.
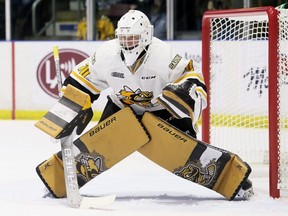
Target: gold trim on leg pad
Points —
{"points": [[168, 147], [52, 174], [104, 145], [114, 138], [193, 160], [232, 178]]}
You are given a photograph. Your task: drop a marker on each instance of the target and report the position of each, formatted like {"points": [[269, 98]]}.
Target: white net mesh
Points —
{"points": [[239, 88], [239, 78], [283, 101]]}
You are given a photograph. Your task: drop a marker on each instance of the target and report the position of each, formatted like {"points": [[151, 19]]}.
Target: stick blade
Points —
{"points": [[97, 202]]}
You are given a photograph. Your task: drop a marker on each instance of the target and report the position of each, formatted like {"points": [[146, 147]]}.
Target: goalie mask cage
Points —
{"points": [[245, 66]]}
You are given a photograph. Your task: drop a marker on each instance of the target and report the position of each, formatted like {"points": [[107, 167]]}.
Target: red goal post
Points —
{"points": [[241, 57]]}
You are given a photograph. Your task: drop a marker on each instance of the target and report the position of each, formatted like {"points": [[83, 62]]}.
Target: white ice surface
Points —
{"points": [[142, 188]]}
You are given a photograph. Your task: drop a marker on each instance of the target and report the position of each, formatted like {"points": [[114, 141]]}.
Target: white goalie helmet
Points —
{"points": [[134, 32]]}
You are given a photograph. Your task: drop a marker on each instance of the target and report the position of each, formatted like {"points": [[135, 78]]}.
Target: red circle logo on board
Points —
{"points": [[46, 71]]}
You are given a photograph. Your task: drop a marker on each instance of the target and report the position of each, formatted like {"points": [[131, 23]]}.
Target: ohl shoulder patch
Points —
{"points": [[175, 62]]}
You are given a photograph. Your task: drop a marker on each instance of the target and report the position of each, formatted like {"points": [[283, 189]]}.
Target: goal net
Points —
{"points": [[245, 66]]}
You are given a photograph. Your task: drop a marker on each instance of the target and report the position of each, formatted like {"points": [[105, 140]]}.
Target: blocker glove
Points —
{"points": [[72, 110]]}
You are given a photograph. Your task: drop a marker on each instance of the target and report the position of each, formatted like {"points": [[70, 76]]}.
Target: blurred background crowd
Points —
{"points": [[66, 19]]}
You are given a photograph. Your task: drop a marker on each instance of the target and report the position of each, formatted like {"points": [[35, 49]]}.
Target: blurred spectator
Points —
{"points": [[2, 19], [283, 6], [158, 19], [82, 29], [105, 28], [218, 4], [21, 18]]}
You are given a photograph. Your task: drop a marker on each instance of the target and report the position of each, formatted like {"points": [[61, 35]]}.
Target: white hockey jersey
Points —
{"points": [[161, 65]]}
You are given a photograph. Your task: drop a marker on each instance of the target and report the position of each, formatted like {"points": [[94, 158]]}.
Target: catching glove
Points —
{"points": [[182, 101]]}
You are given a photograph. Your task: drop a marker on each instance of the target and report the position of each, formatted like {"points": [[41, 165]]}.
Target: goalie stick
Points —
{"points": [[75, 200]]}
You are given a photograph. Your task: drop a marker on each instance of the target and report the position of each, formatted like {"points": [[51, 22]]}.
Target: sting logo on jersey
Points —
{"points": [[46, 72], [139, 97]]}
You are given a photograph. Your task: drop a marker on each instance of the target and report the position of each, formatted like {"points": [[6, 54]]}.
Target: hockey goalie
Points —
{"points": [[153, 108]]}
